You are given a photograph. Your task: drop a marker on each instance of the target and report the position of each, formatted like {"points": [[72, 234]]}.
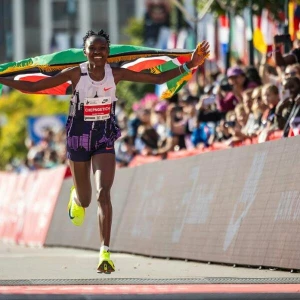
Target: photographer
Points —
{"points": [[292, 57], [206, 109]]}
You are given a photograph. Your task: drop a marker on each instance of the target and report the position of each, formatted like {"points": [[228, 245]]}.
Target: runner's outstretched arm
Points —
{"points": [[43, 84], [197, 59]]}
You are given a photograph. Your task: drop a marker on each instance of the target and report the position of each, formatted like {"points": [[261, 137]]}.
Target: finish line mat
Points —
{"points": [[133, 288], [150, 281]]}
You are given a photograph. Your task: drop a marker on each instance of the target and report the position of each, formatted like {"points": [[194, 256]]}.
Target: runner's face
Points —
{"points": [[96, 50]]}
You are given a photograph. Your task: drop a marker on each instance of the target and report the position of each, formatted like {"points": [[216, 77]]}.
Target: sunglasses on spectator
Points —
{"points": [[293, 73]]}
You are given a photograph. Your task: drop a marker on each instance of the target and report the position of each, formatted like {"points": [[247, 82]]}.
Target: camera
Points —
{"points": [[229, 124], [225, 86]]}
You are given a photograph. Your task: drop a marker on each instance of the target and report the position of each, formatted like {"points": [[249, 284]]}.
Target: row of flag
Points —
{"points": [[265, 27]]}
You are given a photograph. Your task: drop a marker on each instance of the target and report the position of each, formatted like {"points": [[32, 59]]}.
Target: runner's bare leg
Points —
{"points": [[81, 173], [104, 166]]}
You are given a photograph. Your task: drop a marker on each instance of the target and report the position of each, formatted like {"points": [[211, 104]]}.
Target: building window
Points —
{"points": [[32, 19], [65, 23], [99, 14], [126, 10], [6, 47]]}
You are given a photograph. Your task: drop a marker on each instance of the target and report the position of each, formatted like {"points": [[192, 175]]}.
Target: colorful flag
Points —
{"points": [[258, 36], [297, 21], [132, 57], [224, 35]]}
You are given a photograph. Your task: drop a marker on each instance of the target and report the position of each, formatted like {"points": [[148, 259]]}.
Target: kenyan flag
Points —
{"points": [[131, 57]]}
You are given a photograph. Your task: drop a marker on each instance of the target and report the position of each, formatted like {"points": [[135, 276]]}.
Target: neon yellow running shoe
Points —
{"points": [[76, 212], [105, 265]]}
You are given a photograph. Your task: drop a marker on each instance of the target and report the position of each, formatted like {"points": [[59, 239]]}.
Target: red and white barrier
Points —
{"points": [[27, 204]]}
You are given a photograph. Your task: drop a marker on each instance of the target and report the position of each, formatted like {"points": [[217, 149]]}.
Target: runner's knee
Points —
{"points": [[103, 194]]}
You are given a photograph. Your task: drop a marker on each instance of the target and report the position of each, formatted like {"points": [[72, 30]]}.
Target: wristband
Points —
{"points": [[185, 67]]}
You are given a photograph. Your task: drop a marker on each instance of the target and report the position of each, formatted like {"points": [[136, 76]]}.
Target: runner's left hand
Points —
{"points": [[200, 54]]}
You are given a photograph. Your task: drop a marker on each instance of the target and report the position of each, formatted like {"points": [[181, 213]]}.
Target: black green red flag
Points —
{"points": [[135, 58]]}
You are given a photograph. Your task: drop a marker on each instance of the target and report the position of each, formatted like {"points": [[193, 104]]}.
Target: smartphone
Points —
{"points": [[226, 87], [282, 39], [209, 100]]}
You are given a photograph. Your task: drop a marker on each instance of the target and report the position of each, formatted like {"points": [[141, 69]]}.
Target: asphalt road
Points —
{"points": [[64, 273], [18, 262]]}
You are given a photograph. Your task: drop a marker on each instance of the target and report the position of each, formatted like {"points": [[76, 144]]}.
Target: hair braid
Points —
{"points": [[100, 33]]}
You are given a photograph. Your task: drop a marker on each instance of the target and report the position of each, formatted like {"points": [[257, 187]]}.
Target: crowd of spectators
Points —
{"points": [[49, 152], [248, 102]]}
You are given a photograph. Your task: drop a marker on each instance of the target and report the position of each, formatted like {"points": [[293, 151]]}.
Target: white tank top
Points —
{"points": [[89, 88]]}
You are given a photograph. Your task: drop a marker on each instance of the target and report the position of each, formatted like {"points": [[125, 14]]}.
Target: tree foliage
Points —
{"points": [[131, 92], [135, 31], [14, 109]]}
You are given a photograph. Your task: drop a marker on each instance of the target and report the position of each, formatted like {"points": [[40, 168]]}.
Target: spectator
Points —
{"points": [[207, 111], [239, 82], [247, 100], [271, 98], [202, 135], [147, 137], [50, 158], [225, 99], [166, 142], [292, 70], [190, 117], [268, 72], [255, 113], [285, 107], [132, 125], [177, 124], [121, 116], [290, 58], [237, 128], [124, 151], [292, 124], [160, 124], [222, 132], [225, 130], [253, 75], [257, 99]]}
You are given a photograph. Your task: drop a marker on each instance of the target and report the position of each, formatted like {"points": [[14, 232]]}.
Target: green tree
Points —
{"points": [[131, 92], [135, 31], [15, 108]]}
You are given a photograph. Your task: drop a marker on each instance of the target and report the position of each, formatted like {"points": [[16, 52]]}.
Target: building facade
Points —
{"points": [[35, 27]]}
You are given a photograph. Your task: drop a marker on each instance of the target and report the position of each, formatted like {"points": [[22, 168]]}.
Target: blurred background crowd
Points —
{"points": [[245, 105], [234, 99]]}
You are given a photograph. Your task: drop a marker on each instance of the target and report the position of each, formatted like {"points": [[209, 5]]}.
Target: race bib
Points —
{"points": [[97, 109]]}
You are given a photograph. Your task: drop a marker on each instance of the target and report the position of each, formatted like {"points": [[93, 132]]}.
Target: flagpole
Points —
{"points": [[71, 11], [196, 22], [228, 53], [251, 47], [286, 24]]}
